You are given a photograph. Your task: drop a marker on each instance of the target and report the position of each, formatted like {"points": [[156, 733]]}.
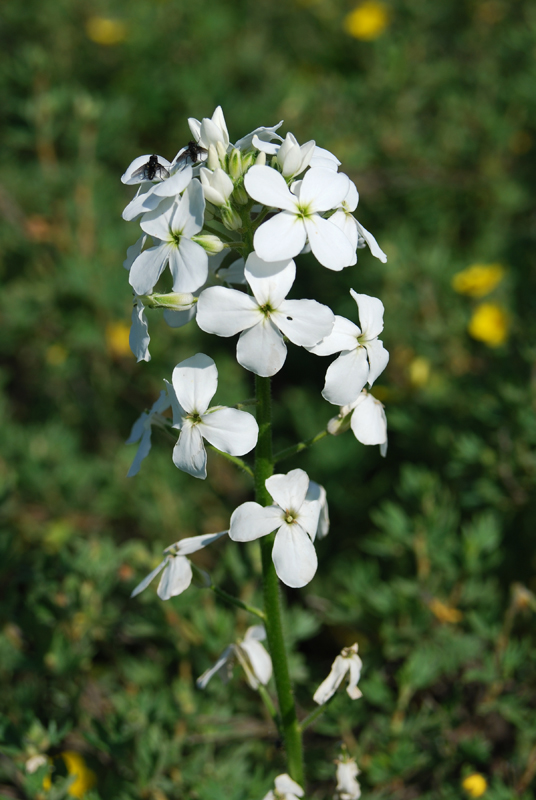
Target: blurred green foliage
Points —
{"points": [[430, 550]]}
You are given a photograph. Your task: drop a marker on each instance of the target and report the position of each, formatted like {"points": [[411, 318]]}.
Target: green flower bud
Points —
{"points": [[240, 196], [178, 301], [235, 164], [231, 219], [212, 244]]}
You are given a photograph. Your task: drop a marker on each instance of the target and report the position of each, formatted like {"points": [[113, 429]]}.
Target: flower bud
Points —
{"points": [[211, 244], [231, 218], [217, 186], [178, 301], [213, 162], [339, 424], [222, 152], [261, 159], [240, 196], [235, 164]]}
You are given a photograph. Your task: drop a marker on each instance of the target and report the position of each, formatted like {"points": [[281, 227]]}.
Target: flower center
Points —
{"points": [[194, 417], [266, 309], [175, 237], [290, 517], [303, 211]]}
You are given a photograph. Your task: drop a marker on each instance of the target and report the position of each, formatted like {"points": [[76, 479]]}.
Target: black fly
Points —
{"points": [[192, 154], [151, 171]]}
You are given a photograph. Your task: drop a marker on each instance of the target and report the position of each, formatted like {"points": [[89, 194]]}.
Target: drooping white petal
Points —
{"points": [[261, 349], [370, 314], [317, 492], [230, 430], [304, 322], [328, 243], [354, 674], [184, 547], [139, 338], [195, 381], [347, 224], [133, 251], [142, 451], [294, 556], [260, 661], [147, 580], [374, 247], [280, 238], [346, 376], [289, 490], [176, 577], [342, 337], [347, 787], [251, 521], [269, 281], [329, 686], [378, 358], [220, 666], [147, 268], [178, 411], [267, 186], [189, 453], [368, 421], [226, 312]]}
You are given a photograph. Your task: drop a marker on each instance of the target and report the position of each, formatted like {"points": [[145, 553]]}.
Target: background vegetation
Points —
{"points": [[430, 562]]}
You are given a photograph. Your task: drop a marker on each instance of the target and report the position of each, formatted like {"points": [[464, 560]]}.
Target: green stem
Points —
{"points": [[272, 602], [272, 710], [310, 718], [297, 448], [234, 601], [237, 461]]}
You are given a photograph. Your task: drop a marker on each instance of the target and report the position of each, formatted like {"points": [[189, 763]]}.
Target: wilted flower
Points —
{"points": [[250, 654], [348, 787], [285, 789], [367, 420], [347, 661]]}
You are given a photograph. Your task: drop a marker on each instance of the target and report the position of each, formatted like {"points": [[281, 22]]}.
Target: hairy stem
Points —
{"points": [[297, 448]]}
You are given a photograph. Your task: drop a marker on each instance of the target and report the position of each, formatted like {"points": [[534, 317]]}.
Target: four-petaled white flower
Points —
{"points": [[363, 356], [300, 220], [141, 430], [367, 420], [353, 229], [293, 516], [227, 429], [174, 224], [285, 789], [347, 662], [348, 787], [177, 570], [251, 656], [263, 319]]}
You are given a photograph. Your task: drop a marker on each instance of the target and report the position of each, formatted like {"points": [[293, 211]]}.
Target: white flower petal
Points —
{"points": [[226, 312], [220, 665], [184, 547], [176, 184], [280, 238], [176, 577], [264, 134], [177, 319], [157, 222], [347, 224], [251, 521], [328, 243], [189, 266], [329, 686], [324, 159], [195, 381], [133, 251], [368, 422], [141, 453], [289, 490], [257, 632], [317, 492], [309, 516], [145, 200], [270, 281], [230, 430], [374, 247], [267, 186], [304, 322], [147, 580], [370, 314], [260, 661], [127, 177], [378, 358], [189, 453], [342, 337], [323, 189], [294, 556], [139, 338], [285, 784], [147, 268], [346, 376], [261, 349]]}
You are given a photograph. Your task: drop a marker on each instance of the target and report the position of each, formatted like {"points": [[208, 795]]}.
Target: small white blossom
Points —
{"points": [[348, 787], [300, 220], [292, 158], [347, 662], [368, 421], [142, 428], [263, 320], [176, 568], [251, 656], [293, 516], [174, 225], [285, 789], [217, 186], [363, 356], [353, 229], [210, 131], [195, 381], [34, 762]]}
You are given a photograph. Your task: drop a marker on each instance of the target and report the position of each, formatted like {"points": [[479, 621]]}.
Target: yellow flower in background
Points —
{"points": [[489, 324], [475, 785], [367, 21], [56, 355], [105, 30], [478, 279], [75, 764], [419, 371], [443, 612], [117, 334]]}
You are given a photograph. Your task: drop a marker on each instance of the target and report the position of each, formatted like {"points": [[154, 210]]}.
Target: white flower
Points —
{"points": [[291, 157], [174, 224], [149, 196], [141, 430], [177, 570], [368, 421], [285, 235], [324, 159], [293, 516], [348, 787], [251, 655], [217, 186], [317, 492], [263, 319], [363, 356], [347, 661], [353, 229], [34, 762], [210, 131], [285, 789], [235, 432]]}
